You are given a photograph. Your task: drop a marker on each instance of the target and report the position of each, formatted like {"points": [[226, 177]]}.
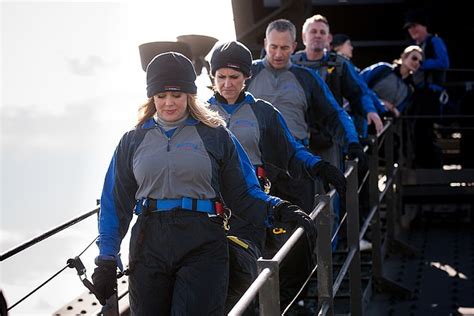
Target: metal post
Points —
{"points": [[374, 203], [389, 197], [352, 199], [381, 283], [324, 255], [269, 294]]}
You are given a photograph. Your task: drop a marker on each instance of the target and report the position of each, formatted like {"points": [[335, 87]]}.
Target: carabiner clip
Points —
{"points": [[279, 231]]}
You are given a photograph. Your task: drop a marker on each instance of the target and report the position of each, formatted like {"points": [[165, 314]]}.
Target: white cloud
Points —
{"points": [[71, 82]]}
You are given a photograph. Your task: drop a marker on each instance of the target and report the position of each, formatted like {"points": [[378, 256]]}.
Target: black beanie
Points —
{"points": [[416, 16], [170, 72], [231, 55], [339, 39]]}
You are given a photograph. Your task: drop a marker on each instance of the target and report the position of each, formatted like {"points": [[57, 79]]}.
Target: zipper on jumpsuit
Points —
{"points": [[176, 131]]}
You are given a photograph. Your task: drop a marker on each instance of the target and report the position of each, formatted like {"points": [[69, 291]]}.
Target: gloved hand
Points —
{"points": [[287, 212], [330, 175], [104, 279], [356, 150]]}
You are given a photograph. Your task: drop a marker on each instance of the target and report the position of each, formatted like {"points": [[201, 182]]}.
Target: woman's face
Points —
{"points": [[229, 83], [412, 61], [170, 106]]}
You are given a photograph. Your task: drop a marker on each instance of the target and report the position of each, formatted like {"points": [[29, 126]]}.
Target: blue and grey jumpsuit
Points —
{"points": [[263, 133], [309, 109], [344, 82], [432, 71], [179, 250], [385, 80]]}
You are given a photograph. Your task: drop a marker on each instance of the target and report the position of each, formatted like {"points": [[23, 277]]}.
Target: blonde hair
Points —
{"points": [[407, 51], [315, 18], [197, 109]]}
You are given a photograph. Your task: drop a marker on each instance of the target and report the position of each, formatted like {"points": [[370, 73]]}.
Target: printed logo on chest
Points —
{"points": [[242, 123]]}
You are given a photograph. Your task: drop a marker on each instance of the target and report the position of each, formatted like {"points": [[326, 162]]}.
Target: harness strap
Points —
{"points": [[304, 142], [260, 171], [163, 205]]}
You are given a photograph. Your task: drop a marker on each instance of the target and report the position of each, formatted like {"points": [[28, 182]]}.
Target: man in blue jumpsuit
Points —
{"points": [[307, 105], [430, 94], [341, 77]]}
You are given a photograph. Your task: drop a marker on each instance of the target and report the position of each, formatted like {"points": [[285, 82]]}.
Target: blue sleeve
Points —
{"points": [[441, 61], [372, 72], [356, 90], [240, 187], [325, 96], [377, 102], [117, 202]]}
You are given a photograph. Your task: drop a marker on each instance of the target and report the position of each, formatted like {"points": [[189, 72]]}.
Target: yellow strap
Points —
{"points": [[237, 241], [278, 231]]}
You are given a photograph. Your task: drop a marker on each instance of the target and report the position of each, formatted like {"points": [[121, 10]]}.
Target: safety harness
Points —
{"points": [[265, 184], [189, 204]]}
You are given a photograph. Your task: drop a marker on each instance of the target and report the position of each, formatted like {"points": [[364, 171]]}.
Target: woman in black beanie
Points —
{"points": [[174, 170], [259, 127]]}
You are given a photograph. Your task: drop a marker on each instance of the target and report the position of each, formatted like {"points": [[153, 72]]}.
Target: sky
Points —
{"points": [[71, 83]]}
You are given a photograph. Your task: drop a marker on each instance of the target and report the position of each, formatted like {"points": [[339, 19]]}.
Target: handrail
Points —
{"points": [[251, 293], [352, 261], [45, 235], [270, 270]]}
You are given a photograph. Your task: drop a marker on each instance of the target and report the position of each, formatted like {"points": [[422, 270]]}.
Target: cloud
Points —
{"points": [[9, 239], [89, 66]]}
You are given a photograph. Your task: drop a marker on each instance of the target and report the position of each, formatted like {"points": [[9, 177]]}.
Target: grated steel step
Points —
{"points": [[441, 277]]}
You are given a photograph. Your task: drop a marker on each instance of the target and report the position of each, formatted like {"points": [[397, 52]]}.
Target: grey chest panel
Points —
{"points": [[392, 88], [283, 90], [244, 125], [173, 168]]}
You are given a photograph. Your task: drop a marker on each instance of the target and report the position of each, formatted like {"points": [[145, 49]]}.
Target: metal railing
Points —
{"points": [[35, 240], [266, 285]]}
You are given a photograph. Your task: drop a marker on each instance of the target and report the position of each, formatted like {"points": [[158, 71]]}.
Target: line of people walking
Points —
{"points": [[217, 185]]}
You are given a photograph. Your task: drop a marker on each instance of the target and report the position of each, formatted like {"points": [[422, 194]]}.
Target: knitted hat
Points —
{"points": [[339, 39], [231, 55], [416, 16], [170, 72]]}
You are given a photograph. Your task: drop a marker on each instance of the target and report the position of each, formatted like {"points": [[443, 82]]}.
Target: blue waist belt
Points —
{"points": [[152, 205]]}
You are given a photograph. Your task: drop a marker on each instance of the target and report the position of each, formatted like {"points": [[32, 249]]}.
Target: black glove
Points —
{"points": [[356, 150], [330, 175], [104, 279], [287, 212]]}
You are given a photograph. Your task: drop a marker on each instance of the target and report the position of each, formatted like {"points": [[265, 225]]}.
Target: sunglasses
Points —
{"points": [[415, 58]]}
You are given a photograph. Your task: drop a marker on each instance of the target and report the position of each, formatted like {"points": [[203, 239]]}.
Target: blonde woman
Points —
{"points": [[393, 83], [174, 171]]}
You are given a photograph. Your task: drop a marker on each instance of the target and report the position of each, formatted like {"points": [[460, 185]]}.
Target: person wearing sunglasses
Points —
{"points": [[393, 83]]}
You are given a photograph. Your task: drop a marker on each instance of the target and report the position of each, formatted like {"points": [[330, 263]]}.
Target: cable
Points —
{"points": [[52, 277]]}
